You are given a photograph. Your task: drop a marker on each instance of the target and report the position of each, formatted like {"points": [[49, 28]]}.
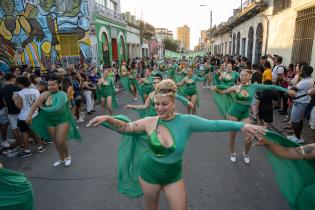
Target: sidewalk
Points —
{"points": [[278, 125]]}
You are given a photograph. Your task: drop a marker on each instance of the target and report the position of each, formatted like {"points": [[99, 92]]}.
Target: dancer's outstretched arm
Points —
{"points": [[121, 126], [144, 106], [302, 152], [226, 91]]}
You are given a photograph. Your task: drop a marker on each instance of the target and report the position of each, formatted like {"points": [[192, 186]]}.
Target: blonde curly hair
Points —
{"points": [[166, 88]]}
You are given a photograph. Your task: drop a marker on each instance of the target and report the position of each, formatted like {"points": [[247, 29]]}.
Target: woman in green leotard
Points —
{"points": [[148, 106], [105, 92], [147, 84], [55, 121], [207, 75], [16, 191], [179, 75], [190, 90], [239, 110], [229, 77], [161, 166], [133, 83]]}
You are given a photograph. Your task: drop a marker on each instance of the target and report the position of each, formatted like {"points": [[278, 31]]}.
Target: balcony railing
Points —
{"points": [[105, 11]]}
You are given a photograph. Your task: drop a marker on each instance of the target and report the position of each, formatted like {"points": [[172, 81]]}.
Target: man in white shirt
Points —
{"points": [[278, 71], [300, 102], [24, 100]]}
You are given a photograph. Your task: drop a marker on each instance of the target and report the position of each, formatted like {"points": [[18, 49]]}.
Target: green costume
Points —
{"points": [[295, 178], [225, 101], [147, 86], [190, 88], [178, 77], [54, 114], [244, 98], [155, 163], [16, 191], [107, 89]]}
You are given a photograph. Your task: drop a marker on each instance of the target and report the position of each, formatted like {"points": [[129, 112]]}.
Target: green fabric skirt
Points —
{"points": [[16, 191], [45, 119], [159, 173], [295, 178], [131, 150]]}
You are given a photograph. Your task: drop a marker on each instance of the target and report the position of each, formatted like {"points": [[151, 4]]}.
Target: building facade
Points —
{"points": [[183, 35], [164, 33], [110, 30], [281, 27], [41, 33], [133, 41]]}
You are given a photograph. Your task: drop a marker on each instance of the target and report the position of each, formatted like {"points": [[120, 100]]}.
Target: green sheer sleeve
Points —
{"points": [[199, 79], [58, 101], [182, 99], [259, 87], [132, 148], [295, 178], [198, 124]]}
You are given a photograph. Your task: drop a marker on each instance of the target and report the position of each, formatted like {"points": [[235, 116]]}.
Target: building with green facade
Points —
{"points": [[109, 30]]}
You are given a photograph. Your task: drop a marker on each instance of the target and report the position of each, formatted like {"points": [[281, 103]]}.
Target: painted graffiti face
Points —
{"points": [[7, 6]]}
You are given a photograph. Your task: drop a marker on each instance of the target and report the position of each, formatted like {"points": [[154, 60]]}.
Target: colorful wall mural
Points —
{"points": [[30, 31]]}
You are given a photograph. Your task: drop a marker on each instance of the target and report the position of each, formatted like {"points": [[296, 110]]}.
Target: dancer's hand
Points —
{"points": [[214, 88], [97, 120], [28, 120], [262, 142], [190, 105], [1, 166], [291, 93], [128, 106], [254, 131]]}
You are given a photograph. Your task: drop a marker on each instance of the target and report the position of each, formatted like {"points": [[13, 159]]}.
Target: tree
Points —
{"points": [[170, 44]]}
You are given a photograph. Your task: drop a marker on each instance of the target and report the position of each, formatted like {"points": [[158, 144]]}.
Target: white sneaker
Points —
{"points": [[291, 137], [68, 161], [58, 163], [233, 157], [296, 139], [5, 144], [80, 120], [11, 141], [246, 158], [136, 99]]}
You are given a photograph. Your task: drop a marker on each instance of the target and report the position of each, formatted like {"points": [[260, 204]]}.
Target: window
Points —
{"points": [[243, 46], [69, 45], [280, 5], [111, 5], [250, 44], [303, 36], [102, 2]]}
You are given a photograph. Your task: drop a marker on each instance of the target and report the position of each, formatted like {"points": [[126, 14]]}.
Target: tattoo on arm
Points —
{"points": [[308, 150]]}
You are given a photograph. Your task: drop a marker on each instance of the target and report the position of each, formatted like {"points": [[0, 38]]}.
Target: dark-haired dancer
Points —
{"points": [[239, 110], [54, 122]]}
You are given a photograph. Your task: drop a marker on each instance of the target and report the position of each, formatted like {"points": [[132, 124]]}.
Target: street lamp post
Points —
{"points": [[210, 11]]}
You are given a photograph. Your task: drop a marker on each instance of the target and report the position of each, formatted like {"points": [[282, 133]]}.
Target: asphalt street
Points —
{"points": [[212, 181]]}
